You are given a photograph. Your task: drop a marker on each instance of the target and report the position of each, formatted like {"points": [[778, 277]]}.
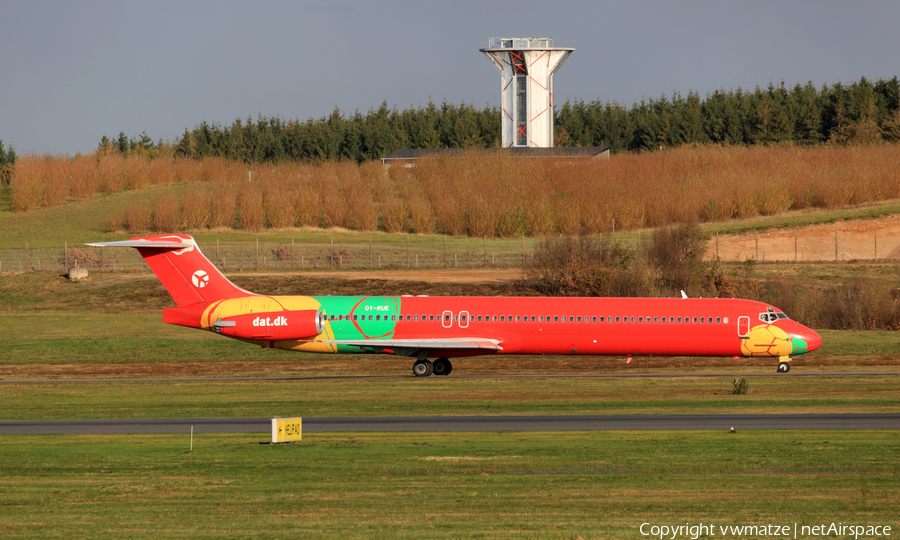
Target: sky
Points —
{"points": [[74, 71]]}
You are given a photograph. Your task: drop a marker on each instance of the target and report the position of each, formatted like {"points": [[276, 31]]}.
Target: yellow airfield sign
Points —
{"points": [[287, 429]]}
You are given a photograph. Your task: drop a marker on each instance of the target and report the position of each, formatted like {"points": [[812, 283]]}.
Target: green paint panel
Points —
{"points": [[376, 317]]}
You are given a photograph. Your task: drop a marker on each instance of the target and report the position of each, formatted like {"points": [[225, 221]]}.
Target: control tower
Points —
{"points": [[526, 68]]}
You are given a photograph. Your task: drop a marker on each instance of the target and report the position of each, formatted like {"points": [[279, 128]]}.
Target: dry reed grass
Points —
{"points": [[250, 207], [27, 184], [167, 214], [487, 195], [223, 206], [84, 177], [138, 217], [195, 207]]}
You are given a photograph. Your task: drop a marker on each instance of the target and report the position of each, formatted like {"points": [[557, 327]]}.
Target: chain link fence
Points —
{"points": [[289, 257], [439, 253]]}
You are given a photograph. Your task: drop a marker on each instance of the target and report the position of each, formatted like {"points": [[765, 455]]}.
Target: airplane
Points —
{"points": [[445, 327]]}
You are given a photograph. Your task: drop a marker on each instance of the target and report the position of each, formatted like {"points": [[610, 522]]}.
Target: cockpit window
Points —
{"points": [[771, 316]]}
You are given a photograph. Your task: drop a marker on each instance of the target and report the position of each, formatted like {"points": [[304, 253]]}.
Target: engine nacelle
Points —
{"points": [[273, 325]]}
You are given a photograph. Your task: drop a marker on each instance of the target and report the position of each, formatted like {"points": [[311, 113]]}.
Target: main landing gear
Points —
{"points": [[441, 367]]}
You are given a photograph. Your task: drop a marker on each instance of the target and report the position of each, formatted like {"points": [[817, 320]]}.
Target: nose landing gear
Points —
{"points": [[785, 364]]}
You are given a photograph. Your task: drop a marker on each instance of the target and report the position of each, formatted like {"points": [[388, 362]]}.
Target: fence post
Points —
{"points": [[835, 247]]}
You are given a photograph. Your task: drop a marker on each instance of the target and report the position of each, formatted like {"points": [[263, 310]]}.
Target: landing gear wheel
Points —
{"points": [[784, 367], [442, 367], [423, 368]]}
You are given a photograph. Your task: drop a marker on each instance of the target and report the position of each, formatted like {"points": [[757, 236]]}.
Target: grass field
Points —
{"points": [[412, 485], [442, 485]]}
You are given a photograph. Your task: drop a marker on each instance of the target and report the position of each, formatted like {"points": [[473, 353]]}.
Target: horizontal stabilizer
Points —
{"points": [[145, 244]]}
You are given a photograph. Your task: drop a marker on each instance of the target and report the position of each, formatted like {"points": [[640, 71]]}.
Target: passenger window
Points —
{"points": [[532, 318], [617, 319], [415, 317], [502, 318], [725, 320], [517, 318], [632, 319], [594, 319], [431, 317], [540, 318], [718, 320], [656, 319], [579, 319], [571, 318], [556, 318], [695, 320], [702, 320], [640, 319]]}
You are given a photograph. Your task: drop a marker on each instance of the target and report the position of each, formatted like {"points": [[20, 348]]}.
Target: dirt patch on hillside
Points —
{"points": [[861, 239]]}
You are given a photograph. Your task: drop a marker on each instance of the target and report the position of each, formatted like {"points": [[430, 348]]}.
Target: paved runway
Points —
{"points": [[497, 376], [463, 423]]}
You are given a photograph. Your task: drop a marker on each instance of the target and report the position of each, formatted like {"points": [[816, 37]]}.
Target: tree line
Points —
{"points": [[7, 160], [860, 113]]}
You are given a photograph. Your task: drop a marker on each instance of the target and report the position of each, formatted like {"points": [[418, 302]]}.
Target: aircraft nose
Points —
{"points": [[813, 340], [806, 340]]}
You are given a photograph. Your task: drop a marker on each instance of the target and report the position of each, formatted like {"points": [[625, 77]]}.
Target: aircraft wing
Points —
{"points": [[408, 345]]}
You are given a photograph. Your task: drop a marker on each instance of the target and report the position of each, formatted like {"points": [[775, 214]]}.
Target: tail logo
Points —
{"points": [[200, 279]]}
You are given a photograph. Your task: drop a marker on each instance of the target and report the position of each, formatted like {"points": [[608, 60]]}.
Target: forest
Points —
{"points": [[859, 113]]}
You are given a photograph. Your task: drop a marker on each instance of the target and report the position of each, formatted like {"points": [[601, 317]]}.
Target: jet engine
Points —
{"points": [[273, 325]]}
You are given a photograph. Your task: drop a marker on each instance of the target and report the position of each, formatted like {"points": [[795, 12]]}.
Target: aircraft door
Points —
{"points": [[463, 319], [447, 319], [744, 327]]}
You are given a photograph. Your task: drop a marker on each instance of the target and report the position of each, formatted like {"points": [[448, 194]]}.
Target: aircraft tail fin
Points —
{"points": [[183, 270]]}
